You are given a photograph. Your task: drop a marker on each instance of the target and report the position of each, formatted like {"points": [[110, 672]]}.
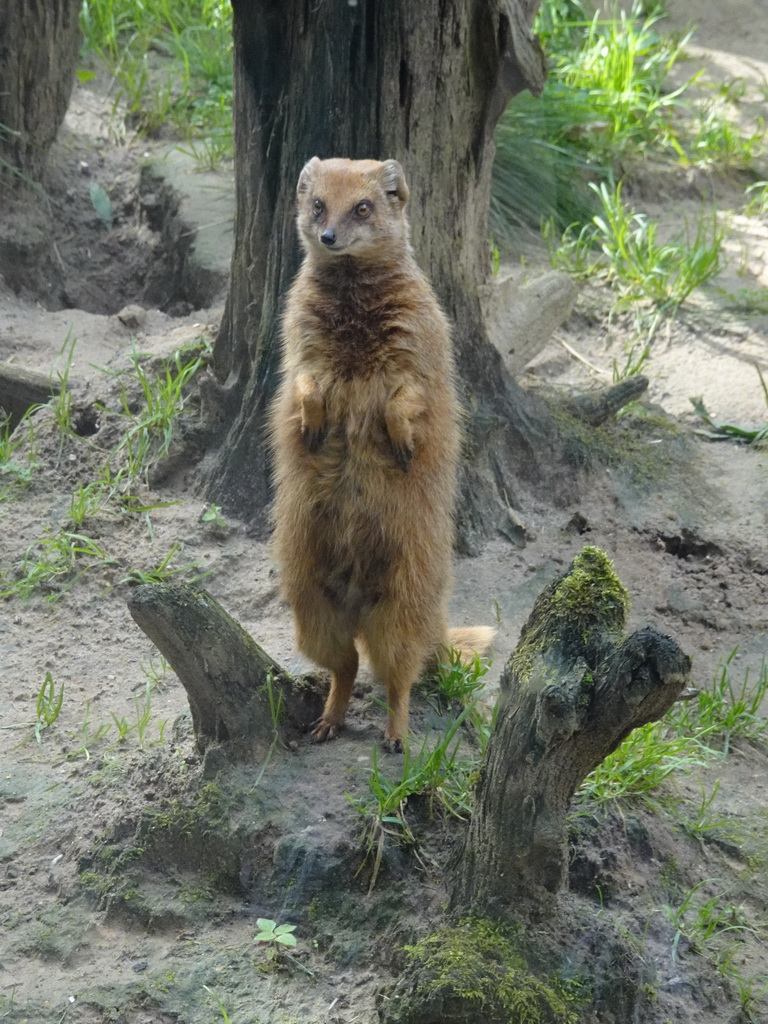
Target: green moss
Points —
{"points": [[620, 443], [591, 594], [587, 602], [475, 968], [183, 829], [190, 894], [171, 837], [96, 886]]}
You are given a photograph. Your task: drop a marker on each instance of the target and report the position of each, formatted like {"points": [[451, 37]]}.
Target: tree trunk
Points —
{"points": [[241, 700], [574, 688], [424, 84], [39, 47], [21, 389]]}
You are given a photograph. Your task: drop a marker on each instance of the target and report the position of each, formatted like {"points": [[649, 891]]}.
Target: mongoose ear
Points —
{"points": [[393, 180], [306, 176]]}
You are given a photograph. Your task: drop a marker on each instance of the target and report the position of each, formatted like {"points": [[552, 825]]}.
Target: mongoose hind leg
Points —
{"points": [[325, 636], [397, 658], [342, 680]]}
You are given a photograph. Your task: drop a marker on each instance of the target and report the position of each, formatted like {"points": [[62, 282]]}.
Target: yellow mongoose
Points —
{"points": [[366, 442]]}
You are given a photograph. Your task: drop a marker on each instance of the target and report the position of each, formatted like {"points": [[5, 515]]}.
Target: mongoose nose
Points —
{"points": [[328, 237]]}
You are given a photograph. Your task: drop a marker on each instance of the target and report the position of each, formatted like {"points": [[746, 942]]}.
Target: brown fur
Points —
{"points": [[366, 442]]}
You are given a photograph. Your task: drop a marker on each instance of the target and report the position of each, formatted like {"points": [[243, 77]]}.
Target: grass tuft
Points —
{"points": [[171, 63], [622, 247], [152, 422], [721, 431], [684, 740]]}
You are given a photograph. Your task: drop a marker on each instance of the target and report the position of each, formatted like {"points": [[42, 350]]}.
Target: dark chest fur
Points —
{"points": [[357, 319]]}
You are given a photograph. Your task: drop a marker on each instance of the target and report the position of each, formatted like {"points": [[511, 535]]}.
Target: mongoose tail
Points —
{"points": [[470, 640]]}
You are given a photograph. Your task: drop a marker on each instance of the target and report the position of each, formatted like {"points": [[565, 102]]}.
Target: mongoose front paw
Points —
{"points": [[403, 455], [322, 730], [313, 439]]}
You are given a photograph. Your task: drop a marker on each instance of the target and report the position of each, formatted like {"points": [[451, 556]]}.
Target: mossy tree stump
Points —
{"points": [[240, 698], [574, 688]]}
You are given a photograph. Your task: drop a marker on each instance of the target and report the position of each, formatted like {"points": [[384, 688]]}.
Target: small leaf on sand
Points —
{"points": [[102, 204]]}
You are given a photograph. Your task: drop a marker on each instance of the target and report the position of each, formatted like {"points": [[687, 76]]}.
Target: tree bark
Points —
{"points": [[574, 688], [595, 407], [424, 84], [21, 389], [39, 47], [241, 700]]}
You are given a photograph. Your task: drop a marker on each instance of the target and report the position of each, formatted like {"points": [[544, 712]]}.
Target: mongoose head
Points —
{"points": [[352, 208]]}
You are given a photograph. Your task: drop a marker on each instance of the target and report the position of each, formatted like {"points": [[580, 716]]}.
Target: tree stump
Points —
{"points": [[240, 698], [574, 688], [21, 389], [38, 57]]}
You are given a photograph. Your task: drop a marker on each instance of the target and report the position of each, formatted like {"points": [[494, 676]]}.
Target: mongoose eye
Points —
{"points": [[363, 210], [318, 207]]}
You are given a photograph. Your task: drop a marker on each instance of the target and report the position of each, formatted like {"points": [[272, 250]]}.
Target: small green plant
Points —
{"points": [[152, 427], [701, 823], [717, 142], [728, 709], [385, 817], [275, 935], [18, 474], [279, 938], [622, 247], [633, 364], [122, 725], [648, 757], [47, 706], [143, 713], [166, 569], [222, 1008], [8, 1002], [275, 698], [704, 923], [61, 404], [459, 681], [86, 502], [88, 736], [757, 204], [53, 565], [154, 671], [440, 772], [214, 520], [749, 990], [721, 431]]}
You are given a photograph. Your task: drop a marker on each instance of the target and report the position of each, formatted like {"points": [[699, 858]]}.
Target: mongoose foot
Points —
{"points": [[322, 730], [393, 744], [313, 439], [403, 455]]}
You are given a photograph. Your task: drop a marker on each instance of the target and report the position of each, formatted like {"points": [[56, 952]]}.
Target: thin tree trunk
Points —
{"points": [[21, 389], [241, 700], [424, 84], [39, 47], [574, 688]]}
